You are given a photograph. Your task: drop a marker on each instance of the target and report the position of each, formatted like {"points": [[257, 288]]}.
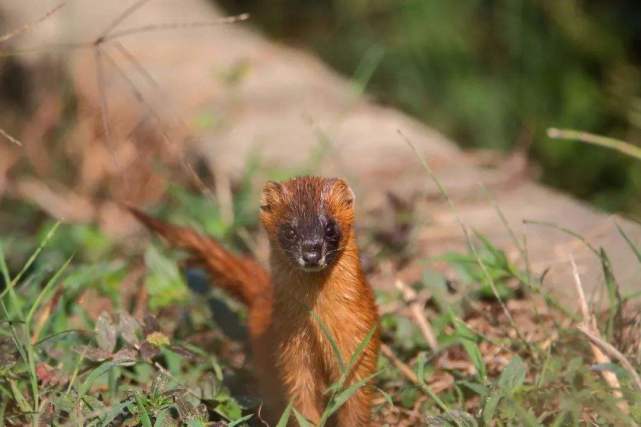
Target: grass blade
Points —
{"points": [[302, 421], [284, 418], [342, 397], [3, 268], [31, 259], [614, 296], [144, 415], [52, 282], [633, 247], [356, 357], [240, 420], [22, 402], [93, 376], [332, 342], [421, 360], [468, 340]]}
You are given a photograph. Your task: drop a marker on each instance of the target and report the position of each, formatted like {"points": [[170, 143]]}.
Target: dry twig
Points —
{"points": [[9, 137], [613, 352], [589, 328], [175, 25], [400, 365], [409, 295], [410, 375], [590, 138], [28, 26]]}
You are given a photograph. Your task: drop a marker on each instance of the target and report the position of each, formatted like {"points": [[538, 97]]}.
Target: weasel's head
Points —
{"points": [[308, 219]]}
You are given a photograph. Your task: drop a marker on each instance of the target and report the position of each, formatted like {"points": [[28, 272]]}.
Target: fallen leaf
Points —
{"points": [[129, 328], [105, 332]]}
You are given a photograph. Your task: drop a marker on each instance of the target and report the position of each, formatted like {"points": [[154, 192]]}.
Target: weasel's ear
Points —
{"points": [[271, 196], [340, 192]]}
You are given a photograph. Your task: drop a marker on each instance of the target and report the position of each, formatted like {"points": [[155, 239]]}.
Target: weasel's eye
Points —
{"points": [[330, 230], [290, 233]]}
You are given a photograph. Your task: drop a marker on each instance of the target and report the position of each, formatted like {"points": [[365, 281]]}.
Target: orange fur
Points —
{"points": [[293, 356]]}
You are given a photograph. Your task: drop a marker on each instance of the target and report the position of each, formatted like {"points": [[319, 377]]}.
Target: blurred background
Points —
{"points": [[492, 74], [161, 104]]}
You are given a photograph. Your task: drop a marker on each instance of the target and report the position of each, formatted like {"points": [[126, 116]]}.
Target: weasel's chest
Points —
{"points": [[318, 341]]}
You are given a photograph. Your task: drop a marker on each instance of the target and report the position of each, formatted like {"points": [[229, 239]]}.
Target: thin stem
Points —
{"points": [[602, 141]]}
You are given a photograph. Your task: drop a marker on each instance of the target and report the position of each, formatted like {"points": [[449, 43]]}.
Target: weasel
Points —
{"points": [[315, 288]]}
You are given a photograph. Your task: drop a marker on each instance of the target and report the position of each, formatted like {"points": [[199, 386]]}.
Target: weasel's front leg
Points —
{"points": [[303, 390], [301, 372]]}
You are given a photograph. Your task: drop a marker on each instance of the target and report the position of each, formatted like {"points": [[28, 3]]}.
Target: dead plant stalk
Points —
{"points": [[409, 295], [589, 328]]}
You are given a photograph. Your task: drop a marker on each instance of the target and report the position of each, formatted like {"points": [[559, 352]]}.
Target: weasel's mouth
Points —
{"points": [[309, 267]]}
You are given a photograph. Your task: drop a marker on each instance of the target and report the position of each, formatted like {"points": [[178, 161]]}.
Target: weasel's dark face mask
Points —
{"points": [[309, 219], [311, 243]]}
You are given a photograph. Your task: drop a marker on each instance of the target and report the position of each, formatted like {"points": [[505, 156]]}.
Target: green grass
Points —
{"points": [[76, 349]]}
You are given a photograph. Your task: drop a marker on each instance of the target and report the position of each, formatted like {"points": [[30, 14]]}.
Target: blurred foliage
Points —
{"points": [[493, 73]]}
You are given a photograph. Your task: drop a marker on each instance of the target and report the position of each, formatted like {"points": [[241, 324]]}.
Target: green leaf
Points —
{"points": [[436, 284], [479, 389], [468, 340], [93, 376], [512, 376], [164, 281], [114, 411], [499, 259], [23, 404], [525, 417], [229, 408], [490, 407], [143, 416], [408, 396]]}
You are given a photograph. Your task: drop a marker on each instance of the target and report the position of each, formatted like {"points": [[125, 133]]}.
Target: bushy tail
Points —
{"points": [[242, 277]]}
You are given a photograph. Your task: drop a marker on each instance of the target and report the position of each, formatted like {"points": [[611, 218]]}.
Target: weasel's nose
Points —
{"points": [[311, 251]]}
